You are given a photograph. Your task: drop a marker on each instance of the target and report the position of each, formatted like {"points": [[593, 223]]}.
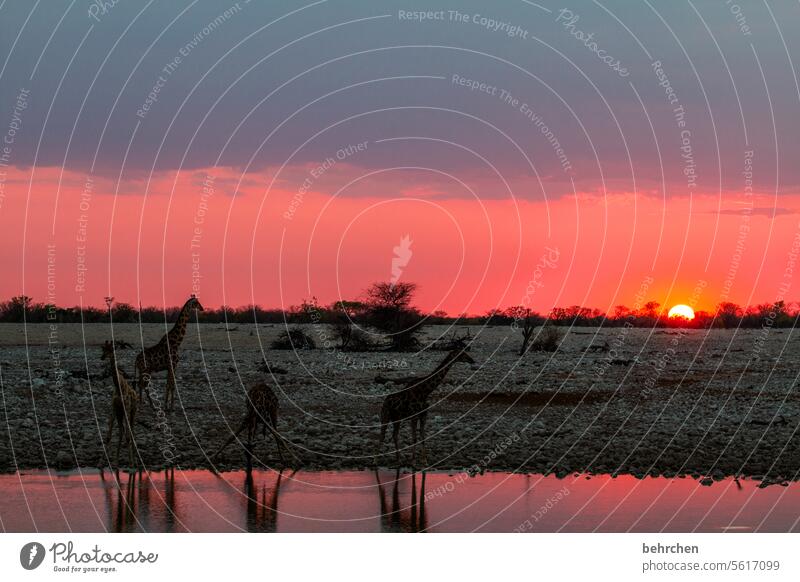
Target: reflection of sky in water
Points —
{"points": [[368, 502]]}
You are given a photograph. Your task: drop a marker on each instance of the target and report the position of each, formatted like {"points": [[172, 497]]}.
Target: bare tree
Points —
{"points": [[524, 319]]}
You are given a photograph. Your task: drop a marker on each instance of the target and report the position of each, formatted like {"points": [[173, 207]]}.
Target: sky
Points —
{"points": [[546, 154]]}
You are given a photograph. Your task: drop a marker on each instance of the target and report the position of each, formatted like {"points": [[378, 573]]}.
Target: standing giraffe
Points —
{"points": [[411, 403], [164, 355], [123, 405], [262, 409]]}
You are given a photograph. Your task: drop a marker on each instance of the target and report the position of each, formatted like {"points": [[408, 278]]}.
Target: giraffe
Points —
{"points": [[123, 405], [262, 409], [411, 403], [164, 355]]}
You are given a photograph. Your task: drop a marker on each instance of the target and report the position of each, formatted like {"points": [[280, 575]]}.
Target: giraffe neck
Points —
{"points": [[436, 377], [175, 335], [112, 364]]}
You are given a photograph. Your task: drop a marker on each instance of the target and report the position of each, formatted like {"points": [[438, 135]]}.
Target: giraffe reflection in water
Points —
{"points": [[262, 515], [120, 502], [137, 502], [134, 502], [129, 506], [403, 519], [366, 501]]}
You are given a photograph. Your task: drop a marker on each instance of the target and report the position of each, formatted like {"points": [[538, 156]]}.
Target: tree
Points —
{"points": [[391, 295], [497, 317], [649, 314], [621, 312], [704, 320], [125, 313], [730, 314], [307, 312], [389, 310], [352, 309], [651, 309], [527, 332], [15, 309], [528, 320]]}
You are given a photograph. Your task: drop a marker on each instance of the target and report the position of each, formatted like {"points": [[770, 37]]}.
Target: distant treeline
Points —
{"points": [[652, 314]]}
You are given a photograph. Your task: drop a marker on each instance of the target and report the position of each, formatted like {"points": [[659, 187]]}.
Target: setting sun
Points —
{"points": [[682, 311]]}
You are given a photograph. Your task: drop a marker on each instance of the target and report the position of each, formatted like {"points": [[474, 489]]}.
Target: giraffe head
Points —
{"points": [[194, 303], [107, 351]]}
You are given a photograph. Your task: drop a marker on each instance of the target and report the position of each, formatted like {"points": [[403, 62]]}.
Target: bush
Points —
{"points": [[360, 341], [294, 339], [352, 338], [547, 340]]}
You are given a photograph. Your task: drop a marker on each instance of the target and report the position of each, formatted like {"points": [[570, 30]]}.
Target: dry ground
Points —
{"points": [[609, 401]]}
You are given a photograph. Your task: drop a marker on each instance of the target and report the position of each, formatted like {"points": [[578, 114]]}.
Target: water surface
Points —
{"points": [[364, 501]]}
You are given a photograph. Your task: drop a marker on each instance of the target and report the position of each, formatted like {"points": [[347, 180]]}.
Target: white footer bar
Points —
{"points": [[370, 557]]}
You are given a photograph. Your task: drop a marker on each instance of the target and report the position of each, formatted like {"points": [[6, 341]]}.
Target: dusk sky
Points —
{"points": [[542, 153]]}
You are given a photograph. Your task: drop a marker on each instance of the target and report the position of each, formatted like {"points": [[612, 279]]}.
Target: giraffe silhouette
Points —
{"points": [[164, 355], [411, 404]]}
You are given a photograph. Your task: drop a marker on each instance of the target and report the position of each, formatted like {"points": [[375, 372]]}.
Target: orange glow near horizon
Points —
{"points": [[466, 255]]}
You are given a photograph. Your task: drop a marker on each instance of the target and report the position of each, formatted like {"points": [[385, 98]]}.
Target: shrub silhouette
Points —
{"points": [[547, 340], [294, 339]]}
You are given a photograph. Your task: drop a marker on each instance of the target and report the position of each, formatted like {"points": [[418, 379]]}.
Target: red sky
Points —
{"points": [[467, 255], [484, 148]]}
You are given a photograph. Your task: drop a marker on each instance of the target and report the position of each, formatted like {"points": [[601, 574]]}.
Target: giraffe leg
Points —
{"points": [[129, 439], [249, 446], [149, 391], [108, 434], [110, 428], [146, 385], [413, 442], [396, 439], [282, 443], [297, 460], [381, 438], [385, 419], [120, 430], [169, 397], [133, 451], [230, 440], [422, 419], [272, 426], [278, 442], [139, 379]]}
